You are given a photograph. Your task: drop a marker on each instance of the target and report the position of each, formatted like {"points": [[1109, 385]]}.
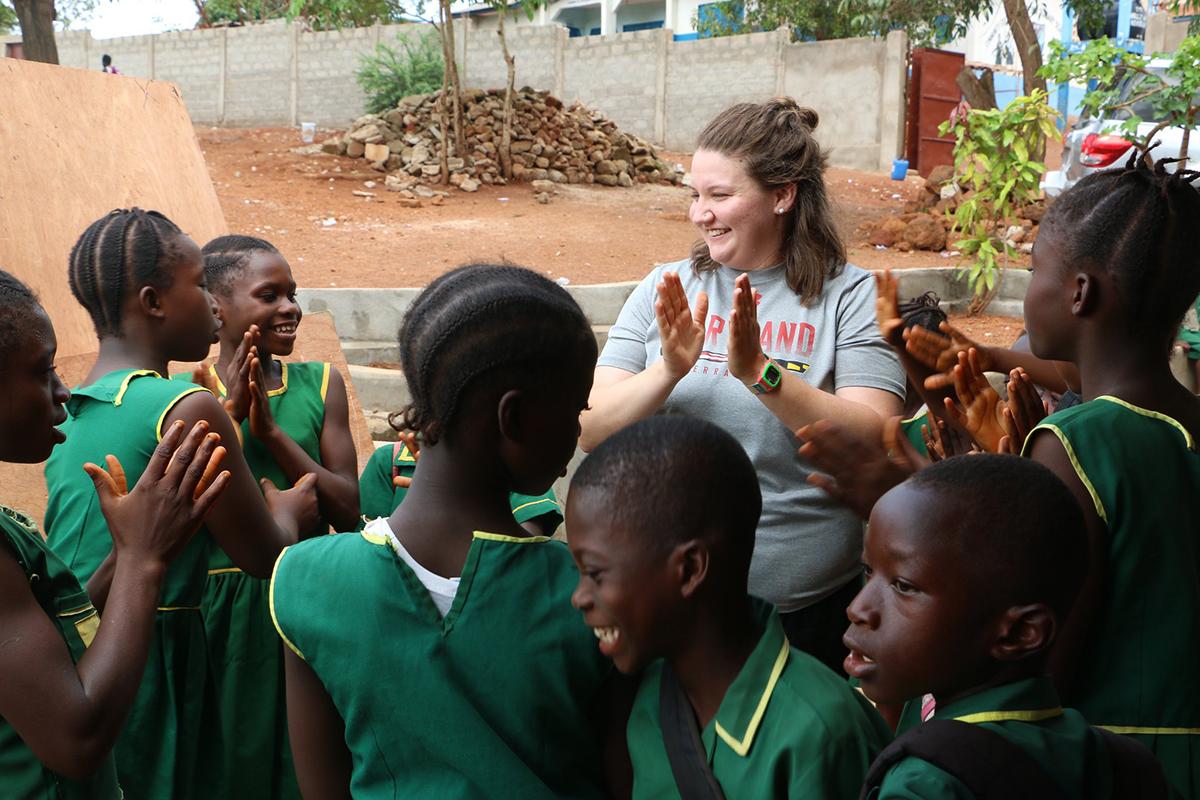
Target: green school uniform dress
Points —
{"points": [[1028, 714], [169, 747], [911, 428], [1190, 331], [242, 643], [496, 699], [57, 591], [787, 727], [1136, 674], [379, 497]]}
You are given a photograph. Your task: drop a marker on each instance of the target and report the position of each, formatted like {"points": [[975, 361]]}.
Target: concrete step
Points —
{"points": [[368, 352], [383, 390]]}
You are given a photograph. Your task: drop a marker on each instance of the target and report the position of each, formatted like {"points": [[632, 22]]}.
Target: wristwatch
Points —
{"points": [[769, 380]]}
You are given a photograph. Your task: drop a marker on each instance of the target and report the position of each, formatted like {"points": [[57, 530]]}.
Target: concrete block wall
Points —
{"points": [[705, 76], [666, 91], [621, 75]]}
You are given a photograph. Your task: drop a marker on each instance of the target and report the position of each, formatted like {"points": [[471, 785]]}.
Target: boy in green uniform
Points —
{"points": [[723, 698], [67, 681], [294, 420], [426, 657], [386, 478], [964, 593]]}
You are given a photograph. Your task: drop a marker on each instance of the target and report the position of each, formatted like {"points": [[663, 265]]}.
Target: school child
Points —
{"points": [[142, 282], [725, 706], [436, 653], [294, 420], [66, 680], [388, 474], [1114, 270], [971, 565], [1189, 337]]}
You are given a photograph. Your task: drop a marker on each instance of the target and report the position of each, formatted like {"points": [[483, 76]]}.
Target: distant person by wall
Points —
{"points": [[107, 66]]}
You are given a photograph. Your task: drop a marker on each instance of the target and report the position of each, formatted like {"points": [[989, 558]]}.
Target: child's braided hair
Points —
{"points": [[477, 321], [226, 259], [1140, 224], [17, 303], [924, 310], [123, 250]]}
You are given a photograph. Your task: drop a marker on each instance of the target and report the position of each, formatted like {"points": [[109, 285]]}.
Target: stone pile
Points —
{"points": [[551, 144]]}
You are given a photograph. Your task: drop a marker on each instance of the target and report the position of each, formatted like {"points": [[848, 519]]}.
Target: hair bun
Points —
{"points": [[787, 107]]}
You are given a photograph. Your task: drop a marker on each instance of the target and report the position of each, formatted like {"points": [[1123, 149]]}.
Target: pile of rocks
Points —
{"points": [[550, 142]]}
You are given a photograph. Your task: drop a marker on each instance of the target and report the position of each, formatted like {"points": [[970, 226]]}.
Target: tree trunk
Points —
{"points": [[460, 141], [1189, 121], [979, 92], [1030, 52], [506, 130], [37, 29]]}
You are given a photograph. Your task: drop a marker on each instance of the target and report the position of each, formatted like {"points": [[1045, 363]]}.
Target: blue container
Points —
{"points": [[899, 169]]}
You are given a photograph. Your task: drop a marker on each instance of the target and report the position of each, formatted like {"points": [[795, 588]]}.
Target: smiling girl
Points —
{"points": [[791, 339]]}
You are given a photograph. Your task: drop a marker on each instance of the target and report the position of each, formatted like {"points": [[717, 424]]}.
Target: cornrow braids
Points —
{"points": [[226, 259], [481, 322], [1140, 224], [924, 310], [123, 250], [17, 304]]}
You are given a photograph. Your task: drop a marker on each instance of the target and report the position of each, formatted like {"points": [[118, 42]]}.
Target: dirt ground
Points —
{"points": [[588, 234]]}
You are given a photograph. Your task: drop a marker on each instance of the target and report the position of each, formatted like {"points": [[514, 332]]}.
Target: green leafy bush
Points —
{"points": [[992, 159], [390, 73]]}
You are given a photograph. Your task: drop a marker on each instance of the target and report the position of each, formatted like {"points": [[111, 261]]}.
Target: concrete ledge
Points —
{"points": [[382, 390]]}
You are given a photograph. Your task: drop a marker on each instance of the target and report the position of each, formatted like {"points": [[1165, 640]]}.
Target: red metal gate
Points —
{"points": [[932, 95]]}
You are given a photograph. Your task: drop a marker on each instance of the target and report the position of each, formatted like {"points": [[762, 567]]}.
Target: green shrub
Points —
{"points": [[390, 73]]}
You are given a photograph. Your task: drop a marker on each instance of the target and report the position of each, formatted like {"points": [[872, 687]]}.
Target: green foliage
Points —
{"points": [[321, 14], [1172, 96], [992, 160], [927, 22], [390, 73], [8, 18]]}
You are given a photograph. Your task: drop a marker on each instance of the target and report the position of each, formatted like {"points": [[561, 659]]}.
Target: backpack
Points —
{"points": [[991, 766]]}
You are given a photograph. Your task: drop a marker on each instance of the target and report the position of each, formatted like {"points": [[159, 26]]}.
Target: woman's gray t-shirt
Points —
{"points": [[807, 545]]}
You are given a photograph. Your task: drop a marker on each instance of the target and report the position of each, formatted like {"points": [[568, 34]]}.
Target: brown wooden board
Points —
{"points": [[76, 144], [23, 486]]}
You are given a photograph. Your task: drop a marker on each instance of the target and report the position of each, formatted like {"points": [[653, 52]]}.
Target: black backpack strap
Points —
{"points": [[681, 736], [989, 765], [1137, 775]]}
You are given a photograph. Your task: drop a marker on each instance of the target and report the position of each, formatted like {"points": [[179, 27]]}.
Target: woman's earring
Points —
{"points": [[779, 211]]}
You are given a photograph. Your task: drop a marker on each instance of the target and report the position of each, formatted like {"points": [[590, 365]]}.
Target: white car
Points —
{"points": [[1096, 143]]}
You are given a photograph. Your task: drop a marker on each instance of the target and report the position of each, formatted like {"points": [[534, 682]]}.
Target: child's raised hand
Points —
{"points": [[857, 473], [168, 504], [680, 330], [887, 308], [945, 441], [237, 376], [746, 358], [982, 413], [297, 505], [262, 422], [203, 376], [1023, 411], [414, 448], [940, 353]]}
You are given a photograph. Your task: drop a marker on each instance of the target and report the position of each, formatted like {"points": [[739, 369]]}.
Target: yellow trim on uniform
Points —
{"points": [[1034, 715], [1083, 477], [743, 746], [178, 608], [496, 537], [324, 381], [536, 502], [137, 373], [1145, 412], [283, 377], [220, 384], [1127, 729], [87, 628], [73, 611], [271, 606], [375, 538], [172, 404], [223, 570], [916, 417]]}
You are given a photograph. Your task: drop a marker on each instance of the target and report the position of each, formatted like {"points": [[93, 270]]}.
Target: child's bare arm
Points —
{"points": [[317, 732], [250, 529], [1046, 449], [857, 472], [70, 714], [337, 479]]}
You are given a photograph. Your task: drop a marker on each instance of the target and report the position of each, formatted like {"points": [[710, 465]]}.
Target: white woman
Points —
{"points": [[791, 338]]}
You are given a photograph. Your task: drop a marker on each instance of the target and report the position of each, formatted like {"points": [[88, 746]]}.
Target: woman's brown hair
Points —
{"points": [[775, 144]]}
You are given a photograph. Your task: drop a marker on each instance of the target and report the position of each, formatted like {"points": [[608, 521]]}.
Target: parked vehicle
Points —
{"points": [[1096, 143]]}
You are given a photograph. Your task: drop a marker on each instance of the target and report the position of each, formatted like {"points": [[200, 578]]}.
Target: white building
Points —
{"points": [[600, 17]]}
